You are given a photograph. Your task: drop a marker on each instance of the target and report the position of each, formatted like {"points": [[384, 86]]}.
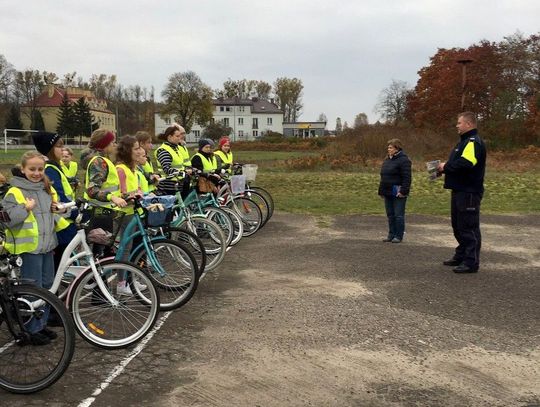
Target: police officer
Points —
{"points": [[464, 175]]}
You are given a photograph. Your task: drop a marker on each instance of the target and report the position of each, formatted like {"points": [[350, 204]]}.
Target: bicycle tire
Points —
{"points": [[237, 224], [261, 202], [181, 278], [223, 220], [212, 237], [250, 213], [104, 324], [266, 195], [189, 240], [26, 368]]}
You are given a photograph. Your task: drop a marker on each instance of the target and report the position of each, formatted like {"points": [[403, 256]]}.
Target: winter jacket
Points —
{"points": [[396, 170], [464, 171], [47, 240]]}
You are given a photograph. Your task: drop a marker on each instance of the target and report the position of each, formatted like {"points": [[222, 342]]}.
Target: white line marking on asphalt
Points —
{"points": [[122, 365]]}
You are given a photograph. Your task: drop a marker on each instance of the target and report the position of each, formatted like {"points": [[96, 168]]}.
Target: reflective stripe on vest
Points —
{"points": [[208, 165], [132, 186], [68, 191], [22, 239], [111, 184], [226, 158], [71, 170]]}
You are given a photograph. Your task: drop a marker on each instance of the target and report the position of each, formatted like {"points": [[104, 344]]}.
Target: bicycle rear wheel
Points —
{"points": [[25, 366], [114, 325], [250, 213], [223, 220], [189, 240], [212, 238], [176, 275], [267, 196]]}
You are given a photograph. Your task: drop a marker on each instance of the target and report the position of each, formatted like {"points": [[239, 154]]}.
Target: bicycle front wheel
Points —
{"points": [[117, 324], [26, 365]]}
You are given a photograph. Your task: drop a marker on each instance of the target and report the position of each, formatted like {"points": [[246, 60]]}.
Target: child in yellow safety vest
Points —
{"points": [[70, 167], [31, 231], [51, 145], [128, 155]]}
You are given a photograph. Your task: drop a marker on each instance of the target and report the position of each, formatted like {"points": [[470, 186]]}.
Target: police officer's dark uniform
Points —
{"points": [[464, 175]]}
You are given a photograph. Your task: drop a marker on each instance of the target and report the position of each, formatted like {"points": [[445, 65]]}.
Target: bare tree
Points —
{"points": [[29, 85], [322, 118], [6, 79], [392, 102]]}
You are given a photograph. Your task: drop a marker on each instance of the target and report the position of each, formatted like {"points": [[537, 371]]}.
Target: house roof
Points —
{"points": [[52, 96], [257, 105]]}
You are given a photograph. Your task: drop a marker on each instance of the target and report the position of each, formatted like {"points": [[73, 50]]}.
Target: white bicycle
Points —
{"points": [[102, 315]]}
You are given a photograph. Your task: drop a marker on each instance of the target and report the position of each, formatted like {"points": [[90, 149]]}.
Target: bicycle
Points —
{"points": [[170, 264], [24, 366], [103, 316]]}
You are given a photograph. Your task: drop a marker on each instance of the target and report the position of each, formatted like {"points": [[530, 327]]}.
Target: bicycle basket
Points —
{"points": [[159, 209], [250, 171]]}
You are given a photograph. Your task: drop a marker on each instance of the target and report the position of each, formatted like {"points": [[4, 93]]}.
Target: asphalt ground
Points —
{"points": [[318, 311]]}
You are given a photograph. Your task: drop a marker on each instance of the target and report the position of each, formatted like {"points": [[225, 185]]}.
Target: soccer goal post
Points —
{"points": [[16, 131]]}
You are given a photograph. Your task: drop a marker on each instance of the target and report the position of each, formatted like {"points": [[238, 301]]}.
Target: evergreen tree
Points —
{"points": [[84, 118], [67, 122], [37, 121], [13, 118]]}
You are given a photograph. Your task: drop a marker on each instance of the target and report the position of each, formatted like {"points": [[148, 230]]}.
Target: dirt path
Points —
{"points": [[317, 311]]}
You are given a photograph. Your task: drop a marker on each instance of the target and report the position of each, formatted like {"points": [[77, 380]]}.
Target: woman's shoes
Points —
{"points": [[396, 240], [388, 239]]}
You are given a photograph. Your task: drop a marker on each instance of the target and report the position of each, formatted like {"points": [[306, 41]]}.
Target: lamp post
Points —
{"points": [[463, 63]]}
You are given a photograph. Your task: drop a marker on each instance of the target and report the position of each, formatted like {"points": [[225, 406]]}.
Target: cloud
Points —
{"points": [[344, 52]]}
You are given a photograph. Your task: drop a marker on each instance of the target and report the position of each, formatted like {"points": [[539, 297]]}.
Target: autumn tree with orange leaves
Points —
{"points": [[502, 87]]}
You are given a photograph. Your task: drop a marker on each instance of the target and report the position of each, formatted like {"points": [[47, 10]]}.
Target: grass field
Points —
{"points": [[333, 192]]}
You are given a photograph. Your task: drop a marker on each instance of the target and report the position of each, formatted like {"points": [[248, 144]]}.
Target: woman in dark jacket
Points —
{"points": [[394, 188]]}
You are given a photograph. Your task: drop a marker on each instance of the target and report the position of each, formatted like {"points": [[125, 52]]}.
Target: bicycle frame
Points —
{"points": [[134, 229]]}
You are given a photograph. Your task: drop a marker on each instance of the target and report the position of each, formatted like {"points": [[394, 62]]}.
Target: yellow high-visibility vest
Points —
{"points": [[68, 191], [208, 164], [226, 158], [132, 185], [24, 238], [111, 184], [71, 169]]}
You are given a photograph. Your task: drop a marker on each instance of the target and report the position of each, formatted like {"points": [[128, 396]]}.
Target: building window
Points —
{"points": [[228, 109], [269, 121], [167, 120], [212, 120], [197, 133], [222, 108], [240, 108], [226, 121], [240, 133], [240, 121], [255, 133], [255, 123]]}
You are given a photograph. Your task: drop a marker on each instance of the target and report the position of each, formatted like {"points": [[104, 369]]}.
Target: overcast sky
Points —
{"points": [[345, 52]]}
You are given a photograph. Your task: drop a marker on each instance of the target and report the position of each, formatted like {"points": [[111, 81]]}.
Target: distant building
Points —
{"points": [[248, 118], [49, 101], [304, 129]]}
